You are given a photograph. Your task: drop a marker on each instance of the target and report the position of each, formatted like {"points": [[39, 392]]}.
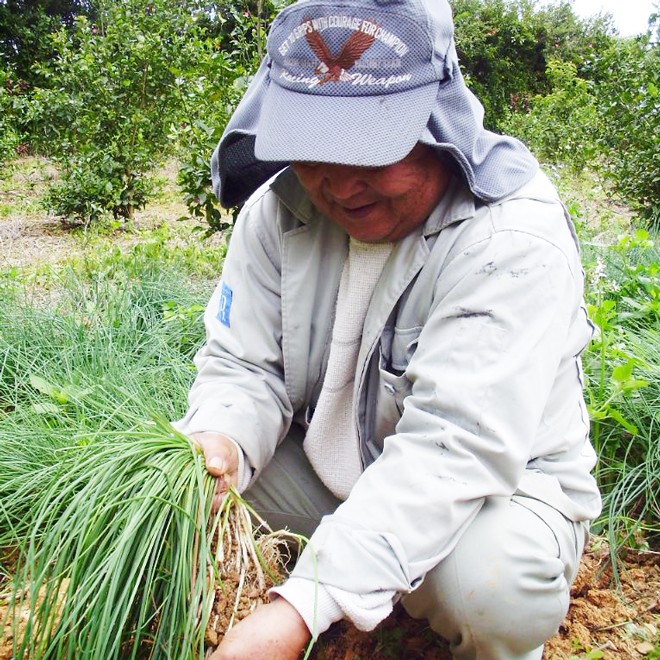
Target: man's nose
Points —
{"points": [[344, 181]]}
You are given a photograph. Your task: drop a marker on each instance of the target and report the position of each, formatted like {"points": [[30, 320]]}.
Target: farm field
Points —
{"points": [[118, 307]]}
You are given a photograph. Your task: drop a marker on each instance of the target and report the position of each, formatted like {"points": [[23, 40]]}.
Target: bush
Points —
{"points": [[94, 184], [112, 95], [562, 126], [629, 104]]}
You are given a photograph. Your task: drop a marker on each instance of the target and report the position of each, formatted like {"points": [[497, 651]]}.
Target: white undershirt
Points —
{"points": [[331, 442]]}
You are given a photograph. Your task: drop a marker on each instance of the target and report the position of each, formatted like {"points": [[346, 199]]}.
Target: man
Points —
{"points": [[392, 357]]}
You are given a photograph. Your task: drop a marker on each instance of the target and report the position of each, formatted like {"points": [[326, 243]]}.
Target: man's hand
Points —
{"points": [[272, 632], [221, 458]]}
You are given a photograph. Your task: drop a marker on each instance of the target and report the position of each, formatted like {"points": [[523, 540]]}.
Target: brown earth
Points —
{"points": [[602, 622]]}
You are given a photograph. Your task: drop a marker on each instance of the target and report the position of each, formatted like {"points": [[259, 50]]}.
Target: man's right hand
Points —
{"points": [[221, 456]]}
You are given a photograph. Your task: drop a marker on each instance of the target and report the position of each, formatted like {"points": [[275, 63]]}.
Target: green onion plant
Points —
{"points": [[125, 560]]}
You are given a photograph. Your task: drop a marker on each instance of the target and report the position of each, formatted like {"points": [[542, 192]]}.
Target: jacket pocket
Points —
{"points": [[398, 345], [393, 388]]}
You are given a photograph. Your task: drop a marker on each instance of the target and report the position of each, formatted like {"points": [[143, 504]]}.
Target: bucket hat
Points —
{"points": [[360, 82]]}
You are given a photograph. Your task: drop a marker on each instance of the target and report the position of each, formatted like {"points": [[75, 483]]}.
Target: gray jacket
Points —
{"points": [[468, 383]]}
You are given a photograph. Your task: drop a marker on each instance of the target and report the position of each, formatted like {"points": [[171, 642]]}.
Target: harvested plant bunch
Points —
{"points": [[123, 560]]}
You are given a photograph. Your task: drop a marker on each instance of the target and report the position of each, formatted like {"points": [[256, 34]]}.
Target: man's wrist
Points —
{"points": [[312, 601], [244, 472]]}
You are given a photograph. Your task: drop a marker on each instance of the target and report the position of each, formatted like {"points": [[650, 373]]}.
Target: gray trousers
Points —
{"points": [[500, 594]]}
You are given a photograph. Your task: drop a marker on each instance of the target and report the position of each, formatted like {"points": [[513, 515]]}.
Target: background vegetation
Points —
{"points": [[107, 91]]}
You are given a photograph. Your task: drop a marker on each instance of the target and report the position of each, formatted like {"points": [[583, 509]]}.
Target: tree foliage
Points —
{"points": [[629, 105], [609, 121], [562, 125], [123, 91], [10, 136], [228, 56], [505, 47], [25, 26], [113, 91]]}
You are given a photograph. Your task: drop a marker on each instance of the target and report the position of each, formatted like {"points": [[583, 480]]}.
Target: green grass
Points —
{"points": [[104, 507], [118, 551], [22, 183], [95, 358], [123, 558], [629, 472]]}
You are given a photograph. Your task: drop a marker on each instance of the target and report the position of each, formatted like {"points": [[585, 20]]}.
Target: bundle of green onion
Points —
{"points": [[126, 560]]}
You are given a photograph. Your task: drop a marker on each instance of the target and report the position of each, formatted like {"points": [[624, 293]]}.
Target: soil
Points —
{"points": [[604, 621]]}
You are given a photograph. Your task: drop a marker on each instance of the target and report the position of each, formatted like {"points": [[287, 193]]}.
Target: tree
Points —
{"points": [[10, 136], [113, 91], [227, 60], [629, 104], [505, 47], [25, 26]]}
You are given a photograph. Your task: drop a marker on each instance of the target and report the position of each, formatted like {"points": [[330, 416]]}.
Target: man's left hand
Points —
{"points": [[272, 632]]}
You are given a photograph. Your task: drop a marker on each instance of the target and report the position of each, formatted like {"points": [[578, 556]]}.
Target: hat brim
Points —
{"points": [[367, 131]]}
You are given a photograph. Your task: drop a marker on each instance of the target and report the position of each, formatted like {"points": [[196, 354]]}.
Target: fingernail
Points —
{"points": [[217, 464]]}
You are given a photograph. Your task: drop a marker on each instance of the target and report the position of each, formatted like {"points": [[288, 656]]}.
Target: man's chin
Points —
{"points": [[368, 235]]}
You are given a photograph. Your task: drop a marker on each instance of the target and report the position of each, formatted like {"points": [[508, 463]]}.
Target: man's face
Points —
{"points": [[377, 204]]}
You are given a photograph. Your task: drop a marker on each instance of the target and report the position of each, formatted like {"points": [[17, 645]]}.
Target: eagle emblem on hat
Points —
{"points": [[333, 69]]}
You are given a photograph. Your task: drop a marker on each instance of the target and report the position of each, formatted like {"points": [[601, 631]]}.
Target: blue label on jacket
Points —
{"points": [[225, 305]]}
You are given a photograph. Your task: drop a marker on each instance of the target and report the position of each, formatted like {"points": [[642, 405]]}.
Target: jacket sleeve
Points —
{"points": [[239, 389], [481, 375]]}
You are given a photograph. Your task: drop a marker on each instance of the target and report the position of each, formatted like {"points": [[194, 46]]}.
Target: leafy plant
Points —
{"points": [[623, 387], [93, 185], [586, 653], [121, 560], [629, 104], [185, 323], [225, 65], [24, 29], [106, 107], [561, 126], [505, 47]]}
